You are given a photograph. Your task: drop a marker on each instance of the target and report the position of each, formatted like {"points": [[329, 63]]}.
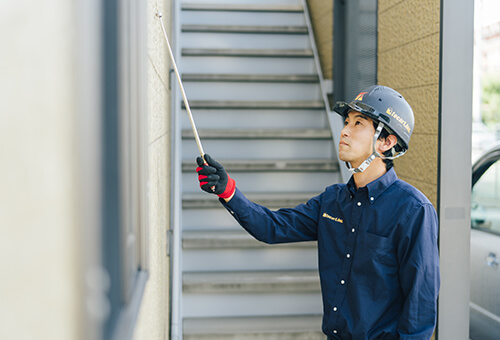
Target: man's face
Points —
{"points": [[356, 139]]}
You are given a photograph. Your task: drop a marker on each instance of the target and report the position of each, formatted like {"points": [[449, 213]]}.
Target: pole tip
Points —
{"points": [[159, 14]]}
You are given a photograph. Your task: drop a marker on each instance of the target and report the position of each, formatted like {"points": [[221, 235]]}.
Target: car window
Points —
{"points": [[485, 207]]}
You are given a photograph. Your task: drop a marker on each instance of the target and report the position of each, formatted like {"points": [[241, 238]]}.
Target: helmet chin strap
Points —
{"points": [[370, 159], [374, 154]]}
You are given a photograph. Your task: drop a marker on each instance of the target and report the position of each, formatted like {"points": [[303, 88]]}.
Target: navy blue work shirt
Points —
{"points": [[377, 253]]}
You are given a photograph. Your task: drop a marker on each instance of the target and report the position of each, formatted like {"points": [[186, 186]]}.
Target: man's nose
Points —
{"points": [[345, 131]]}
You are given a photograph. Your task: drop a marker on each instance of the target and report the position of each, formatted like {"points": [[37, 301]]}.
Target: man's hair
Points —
{"points": [[383, 135]]}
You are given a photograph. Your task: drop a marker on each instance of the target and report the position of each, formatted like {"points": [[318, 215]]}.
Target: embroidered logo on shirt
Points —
{"points": [[336, 219]]}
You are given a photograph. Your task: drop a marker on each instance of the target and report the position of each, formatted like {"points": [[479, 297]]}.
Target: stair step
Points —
{"points": [[238, 64], [251, 78], [229, 239], [311, 134], [270, 200], [251, 282], [293, 327], [242, 8], [244, 29], [262, 68], [287, 165], [256, 53], [256, 104], [200, 17]]}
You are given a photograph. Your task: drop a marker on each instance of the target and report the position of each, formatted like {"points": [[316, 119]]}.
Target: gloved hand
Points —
{"points": [[213, 178]]}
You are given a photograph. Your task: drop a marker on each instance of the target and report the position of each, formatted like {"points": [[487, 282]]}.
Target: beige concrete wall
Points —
{"points": [[321, 13], [153, 320], [408, 61], [41, 249], [39, 225]]}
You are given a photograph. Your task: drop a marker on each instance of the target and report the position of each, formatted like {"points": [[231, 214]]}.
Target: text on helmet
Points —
{"points": [[390, 112]]}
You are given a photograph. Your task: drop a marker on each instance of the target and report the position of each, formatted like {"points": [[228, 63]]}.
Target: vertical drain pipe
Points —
{"points": [[176, 190]]}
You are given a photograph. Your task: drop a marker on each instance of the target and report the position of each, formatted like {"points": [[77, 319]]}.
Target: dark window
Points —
{"points": [[485, 201], [354, 47]]}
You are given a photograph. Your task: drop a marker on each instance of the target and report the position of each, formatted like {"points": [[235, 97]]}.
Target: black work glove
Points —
{"points": [[213, 178]]}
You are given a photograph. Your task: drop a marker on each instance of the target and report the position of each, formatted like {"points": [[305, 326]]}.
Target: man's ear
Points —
{"points": [[388, 143]]}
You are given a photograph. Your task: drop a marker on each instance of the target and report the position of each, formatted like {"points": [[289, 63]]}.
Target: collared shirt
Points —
{"points": [[377, 253]]}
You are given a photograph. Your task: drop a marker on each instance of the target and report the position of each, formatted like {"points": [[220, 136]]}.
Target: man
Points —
{"points": [[377, 235]]}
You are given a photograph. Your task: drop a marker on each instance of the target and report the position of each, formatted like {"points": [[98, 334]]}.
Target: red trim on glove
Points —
{"points": [[200, 177], [230, 188]]}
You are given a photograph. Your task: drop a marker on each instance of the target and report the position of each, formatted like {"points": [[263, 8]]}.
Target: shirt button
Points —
{"points": [[342, 282], [359, 204], [353, 230], [335, 331], [334, 309], [371, 199], [348, 256]]}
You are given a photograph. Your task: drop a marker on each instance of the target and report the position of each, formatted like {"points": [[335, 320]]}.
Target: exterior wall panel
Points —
{"points": [[153, 320], [39, 222], [44, 219], [408, 61]]}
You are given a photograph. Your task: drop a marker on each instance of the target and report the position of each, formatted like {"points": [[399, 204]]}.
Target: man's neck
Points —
{"points": [[375, 170]]}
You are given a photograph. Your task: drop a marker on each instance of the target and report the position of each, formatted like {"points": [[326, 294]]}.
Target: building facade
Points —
{"points": [[87, 142]]}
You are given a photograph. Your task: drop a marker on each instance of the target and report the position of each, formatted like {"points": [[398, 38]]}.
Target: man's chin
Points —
{"points": [[348, 160], [342, 157]]}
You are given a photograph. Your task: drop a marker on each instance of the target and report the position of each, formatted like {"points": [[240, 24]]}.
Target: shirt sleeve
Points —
{"points": [[419, 273], [281, 226]]}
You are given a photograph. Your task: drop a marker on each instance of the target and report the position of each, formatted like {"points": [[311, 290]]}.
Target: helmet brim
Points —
{"points": [[343, 109]]}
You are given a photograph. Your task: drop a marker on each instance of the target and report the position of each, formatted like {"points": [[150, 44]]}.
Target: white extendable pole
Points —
{"points": [[186, 103]]}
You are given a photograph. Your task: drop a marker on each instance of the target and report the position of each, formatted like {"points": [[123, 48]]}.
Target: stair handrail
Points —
{"points": [[334, 120]]}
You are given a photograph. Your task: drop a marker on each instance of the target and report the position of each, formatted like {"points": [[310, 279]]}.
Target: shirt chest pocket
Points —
{"points": [[379, 248]]}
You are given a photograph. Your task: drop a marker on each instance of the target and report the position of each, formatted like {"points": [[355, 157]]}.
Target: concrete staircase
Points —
{"points": [[250, 76]]}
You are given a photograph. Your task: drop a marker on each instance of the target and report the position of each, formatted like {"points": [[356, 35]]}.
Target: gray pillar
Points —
{"points": [[457, 29]]}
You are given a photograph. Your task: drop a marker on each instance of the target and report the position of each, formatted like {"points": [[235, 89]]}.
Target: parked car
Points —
{"points": [[483, 138], [485, 247]]}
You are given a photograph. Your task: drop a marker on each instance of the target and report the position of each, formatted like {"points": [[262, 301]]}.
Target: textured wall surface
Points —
{"points": [[321, 13], [153, 320], [41, 210], [408, 61], [39, 223]]}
